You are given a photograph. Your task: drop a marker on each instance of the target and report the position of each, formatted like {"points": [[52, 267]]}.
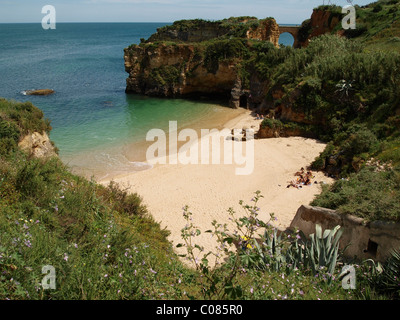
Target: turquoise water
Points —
{"points": [[83, 63]]}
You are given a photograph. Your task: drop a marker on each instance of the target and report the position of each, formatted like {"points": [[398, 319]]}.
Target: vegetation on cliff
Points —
{"points": [[185, 30]]}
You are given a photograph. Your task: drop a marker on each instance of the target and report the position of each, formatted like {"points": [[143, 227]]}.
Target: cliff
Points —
{"points": [[196, 58], [176, 70]]}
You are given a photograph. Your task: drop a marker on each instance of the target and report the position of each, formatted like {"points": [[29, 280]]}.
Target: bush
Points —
{"points": [[9, 130], [369, 194], [219, 50], [360, 139]]}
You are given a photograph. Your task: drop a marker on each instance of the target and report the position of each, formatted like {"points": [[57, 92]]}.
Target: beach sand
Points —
{"points": [[210, 190]]}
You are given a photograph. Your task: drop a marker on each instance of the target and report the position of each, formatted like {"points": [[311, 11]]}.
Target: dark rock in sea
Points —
{"points": [[39, 92]]}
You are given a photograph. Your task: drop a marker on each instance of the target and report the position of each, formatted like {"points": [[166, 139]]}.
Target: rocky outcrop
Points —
{"points": [[268, 30], [268, 132], [173, 63], [239, 96], [176, 70], [322, 21], [364, 240], [39, 92], [38, 145]]}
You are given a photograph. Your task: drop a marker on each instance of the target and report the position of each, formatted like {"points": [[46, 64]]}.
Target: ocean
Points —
{"points": [[93, 119]]}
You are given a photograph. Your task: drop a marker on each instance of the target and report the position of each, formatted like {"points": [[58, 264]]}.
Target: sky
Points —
{"points": [[284, 11]]}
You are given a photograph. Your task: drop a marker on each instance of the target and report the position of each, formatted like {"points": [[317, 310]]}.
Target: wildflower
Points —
{"points": [[76, 246], [153, 271], [65, 257], [106, 275], [251, 290]]}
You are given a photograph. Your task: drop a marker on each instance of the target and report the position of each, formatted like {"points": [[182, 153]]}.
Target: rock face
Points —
{"points": [[38, 145], [267, 132], [365, 240], [321, 22], [268, 30], [177, 70]]}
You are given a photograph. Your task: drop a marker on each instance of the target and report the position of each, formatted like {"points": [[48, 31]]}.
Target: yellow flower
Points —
{"points": [[248, 246]]}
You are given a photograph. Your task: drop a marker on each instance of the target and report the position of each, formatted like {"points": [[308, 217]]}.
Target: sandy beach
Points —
{"points": [[211, 189]]}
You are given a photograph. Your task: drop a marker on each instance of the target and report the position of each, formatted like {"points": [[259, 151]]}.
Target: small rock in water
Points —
{"points": [[39, 92]]}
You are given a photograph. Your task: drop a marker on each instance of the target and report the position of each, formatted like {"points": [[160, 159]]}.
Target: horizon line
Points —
{"points": [[282, 23]]}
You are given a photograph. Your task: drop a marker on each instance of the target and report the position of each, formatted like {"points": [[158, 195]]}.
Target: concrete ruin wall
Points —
{"points": [[365, 240]]}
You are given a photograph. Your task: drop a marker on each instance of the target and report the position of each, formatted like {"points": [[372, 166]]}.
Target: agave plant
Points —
{"points": [[387, 276], [269, 252], [296, 253], [323, 249]]}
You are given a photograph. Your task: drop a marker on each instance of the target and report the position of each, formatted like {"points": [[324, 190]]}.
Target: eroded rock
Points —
{"points": [[38, 145]]}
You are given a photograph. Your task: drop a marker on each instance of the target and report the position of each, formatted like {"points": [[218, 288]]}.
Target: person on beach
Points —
{"points": [[303, 179]]}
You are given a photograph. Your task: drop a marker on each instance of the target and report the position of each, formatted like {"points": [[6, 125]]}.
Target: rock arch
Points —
{"points": [[294, 31]]}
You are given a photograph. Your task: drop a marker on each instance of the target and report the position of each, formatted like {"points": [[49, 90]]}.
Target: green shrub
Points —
{"points": [[220, 50], [9, 130], [369, 194], [271, 123], [165, 75]]}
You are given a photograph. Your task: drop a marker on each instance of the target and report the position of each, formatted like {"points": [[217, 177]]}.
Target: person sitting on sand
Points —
{"points": [[299, 173], [293, 184]]}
